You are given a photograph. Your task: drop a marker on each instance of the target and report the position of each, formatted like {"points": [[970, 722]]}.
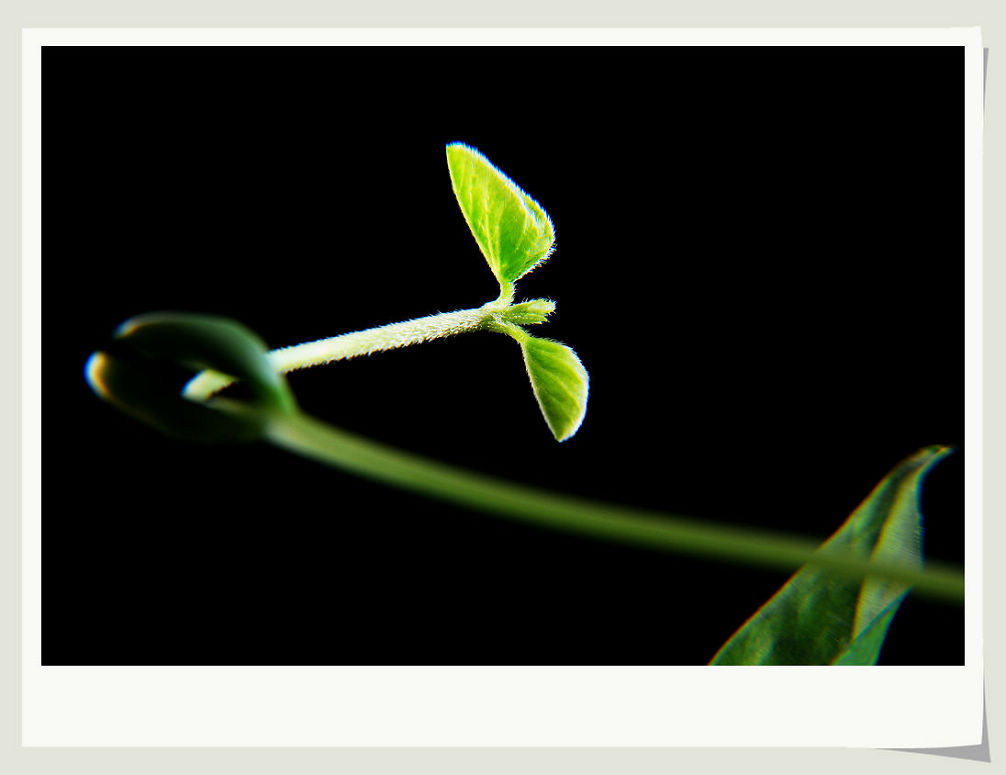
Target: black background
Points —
{"points": [[760, 262]]}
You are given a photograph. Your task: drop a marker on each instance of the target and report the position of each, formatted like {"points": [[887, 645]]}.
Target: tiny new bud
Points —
{"points": [[529, 313]]}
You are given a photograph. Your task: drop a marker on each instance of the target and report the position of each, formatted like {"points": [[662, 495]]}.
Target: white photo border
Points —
{"points": [[903, 707]]}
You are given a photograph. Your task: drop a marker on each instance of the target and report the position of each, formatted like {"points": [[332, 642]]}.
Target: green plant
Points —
{"points": [[836, 609], [515, 235]]}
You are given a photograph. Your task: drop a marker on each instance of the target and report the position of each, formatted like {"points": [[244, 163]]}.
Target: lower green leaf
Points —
{"points": [[818, 618], [560, 384]]}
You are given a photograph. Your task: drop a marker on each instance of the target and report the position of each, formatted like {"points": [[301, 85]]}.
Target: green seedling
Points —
{"points": [[835, 610], [515, 235]]}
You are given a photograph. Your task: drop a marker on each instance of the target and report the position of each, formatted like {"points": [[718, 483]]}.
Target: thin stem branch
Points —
{"points": [[313, 439], [354, 344]]}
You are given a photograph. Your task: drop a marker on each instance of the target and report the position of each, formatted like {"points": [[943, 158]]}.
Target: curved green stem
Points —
{"points": [[313, 439]]}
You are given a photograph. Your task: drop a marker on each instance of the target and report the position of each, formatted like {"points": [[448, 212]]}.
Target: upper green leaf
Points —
{"points": [[818, 618], [512, 230], [559, 382]]}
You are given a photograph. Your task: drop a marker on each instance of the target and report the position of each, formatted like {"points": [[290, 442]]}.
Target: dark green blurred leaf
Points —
{"points": [[818, 618], [209, 342], [126, 375], [132, 389]]}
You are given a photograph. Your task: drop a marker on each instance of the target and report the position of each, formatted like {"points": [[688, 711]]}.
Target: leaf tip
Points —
{"points": [[927, 457], [458, 148]]}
